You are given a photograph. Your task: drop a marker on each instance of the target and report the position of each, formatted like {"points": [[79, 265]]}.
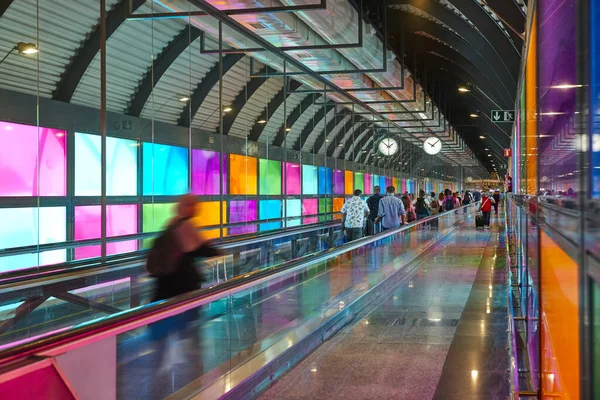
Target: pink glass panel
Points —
{"points": [[20, 146], [310, 207], [368, 184], [292, 178], [120, 220]]}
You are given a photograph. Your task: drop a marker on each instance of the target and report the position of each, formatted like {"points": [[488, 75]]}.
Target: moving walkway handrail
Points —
{"points": [[141, 316], [224, 244]]}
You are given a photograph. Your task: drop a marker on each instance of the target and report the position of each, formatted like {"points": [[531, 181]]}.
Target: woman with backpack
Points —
{"points": [[411, 216], [421, 208]]}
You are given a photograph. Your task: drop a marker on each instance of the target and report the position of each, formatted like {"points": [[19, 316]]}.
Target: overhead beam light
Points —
{"points": [[481, 136], [464, 89], [26, 48], [262, 121], [227, 109], [184, 99], [288, 129], [474, 114]]}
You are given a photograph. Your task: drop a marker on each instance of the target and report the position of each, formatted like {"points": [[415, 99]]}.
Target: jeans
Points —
{"points": [[354, 233], [496, 207], [486, 218]]}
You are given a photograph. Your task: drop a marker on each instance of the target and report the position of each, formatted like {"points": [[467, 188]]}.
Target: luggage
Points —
{"points": [[371, 228], [479, 221]]}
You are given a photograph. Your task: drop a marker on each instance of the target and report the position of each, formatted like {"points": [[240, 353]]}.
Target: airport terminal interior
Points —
{"points": [[299, 199]]}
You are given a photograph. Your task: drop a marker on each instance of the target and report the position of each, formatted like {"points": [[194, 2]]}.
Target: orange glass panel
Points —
{"points": [[243, 175], [531, 104], [338, 202], [207, 214], [349, 182], [560, 321]]}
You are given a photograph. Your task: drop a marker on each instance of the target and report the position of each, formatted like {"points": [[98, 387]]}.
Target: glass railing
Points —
{"points": [[234, 330]]}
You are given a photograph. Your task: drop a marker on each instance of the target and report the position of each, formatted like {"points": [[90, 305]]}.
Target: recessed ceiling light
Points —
{"points": [[184, 99], [474, 115], [463, 89], [227, 109], [481, 137], [262, 121], [288, 129]]}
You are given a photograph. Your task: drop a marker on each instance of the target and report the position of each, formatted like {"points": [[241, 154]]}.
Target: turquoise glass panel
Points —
{"points": [[121, 168], [165, 169], [310, 182], [293, 208], [269, 209], [269, 177]]}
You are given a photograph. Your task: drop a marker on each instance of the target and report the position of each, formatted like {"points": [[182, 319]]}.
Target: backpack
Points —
{"points": [[449, 204], [165, 252], [467, 199]]}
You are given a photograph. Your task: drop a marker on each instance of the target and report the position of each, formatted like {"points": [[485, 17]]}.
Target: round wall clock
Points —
{"points": [[388, 146], [432, 145]]}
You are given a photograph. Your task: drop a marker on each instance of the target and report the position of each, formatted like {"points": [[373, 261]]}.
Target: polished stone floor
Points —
{"points": [[441, 334]]}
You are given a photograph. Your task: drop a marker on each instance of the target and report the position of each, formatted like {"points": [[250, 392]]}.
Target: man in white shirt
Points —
{"points": [[354, 212]]}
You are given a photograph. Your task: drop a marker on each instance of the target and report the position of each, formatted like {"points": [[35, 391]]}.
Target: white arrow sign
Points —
{"points": [[496, 115], [499, 116]]}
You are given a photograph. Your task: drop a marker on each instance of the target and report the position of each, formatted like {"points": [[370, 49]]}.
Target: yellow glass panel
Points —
{"points": [[531, 103], [395, 183], [349, 182], [560, 321], [243, 175], [207, 214]]}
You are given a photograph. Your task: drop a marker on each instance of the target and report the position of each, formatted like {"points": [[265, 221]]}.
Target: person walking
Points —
{"points": [[486, 208], [373, 204], [354, 211], [411, 215], [391, 211], [450, 202], [421, 207], [496, 197]]}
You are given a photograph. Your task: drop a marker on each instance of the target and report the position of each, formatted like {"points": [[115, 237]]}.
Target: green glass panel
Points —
{"points": [[269, 177], [155, 218], [359, 181]]}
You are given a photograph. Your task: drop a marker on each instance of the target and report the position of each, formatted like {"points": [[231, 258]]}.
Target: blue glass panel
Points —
{"points": [[269, 209], [325, 180]]}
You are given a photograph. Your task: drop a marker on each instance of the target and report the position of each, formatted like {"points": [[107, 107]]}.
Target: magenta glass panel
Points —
{"points": [[206, 172], [368, 184], [310, 207], [120, 220], [389, 181], [242, 211], [338, 181], [19, 149], [292, 178]]}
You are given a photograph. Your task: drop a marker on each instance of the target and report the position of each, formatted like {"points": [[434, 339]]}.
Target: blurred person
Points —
{"points": [[486, 208], [354, 211], [496, 197], [476, 196], [458, 197], [373, 204], [441, 199], [434, 204], [425, 197], [171, 262], [411, 215], [391, 211]]}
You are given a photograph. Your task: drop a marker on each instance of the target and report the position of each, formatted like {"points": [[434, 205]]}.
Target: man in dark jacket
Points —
{"points": [[373, 204]]}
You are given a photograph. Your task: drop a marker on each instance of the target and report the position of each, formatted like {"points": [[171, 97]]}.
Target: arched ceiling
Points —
{"points": [[439, 43]]}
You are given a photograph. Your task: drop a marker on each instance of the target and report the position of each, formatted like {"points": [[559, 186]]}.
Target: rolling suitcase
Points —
{"points": [[479, 220]]}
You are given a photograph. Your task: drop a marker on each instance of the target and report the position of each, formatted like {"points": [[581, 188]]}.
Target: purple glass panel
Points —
{"points": [[293, 182], [242, 211], [338, 181], [206, 172], [22, 149]]}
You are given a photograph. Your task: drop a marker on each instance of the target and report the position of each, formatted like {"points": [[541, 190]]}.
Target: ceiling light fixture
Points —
{"points": [[474, 114], [288, 129], [23, 49], [481, 137], [227, 109], [184, 99], [566, 86], [464, 89], [262, 121]]}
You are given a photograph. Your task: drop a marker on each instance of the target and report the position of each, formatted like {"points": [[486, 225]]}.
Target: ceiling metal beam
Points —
{"points": [[4, 5], [271, 109], [205, 86], [332, 124], [158, 68], [291, 119], [310, 126], [89, 48]]}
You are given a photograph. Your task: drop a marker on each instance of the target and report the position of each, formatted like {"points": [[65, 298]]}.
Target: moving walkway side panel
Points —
{"points": [[264, 316]]}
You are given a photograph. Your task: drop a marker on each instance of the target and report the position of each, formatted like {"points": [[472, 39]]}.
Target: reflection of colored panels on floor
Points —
{"points": [[341, 275], [314, 291], [560, 320]]}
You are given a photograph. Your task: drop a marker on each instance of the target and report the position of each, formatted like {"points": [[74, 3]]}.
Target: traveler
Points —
{"points": [[411, 215], [354, 211], [450, 202], [496, 197], [441, 199], [391, 211], [476, 196], [373, 204], [486, 208], [434, 204], [421, 207], [467, 198], [182, 276], [172, 262]]}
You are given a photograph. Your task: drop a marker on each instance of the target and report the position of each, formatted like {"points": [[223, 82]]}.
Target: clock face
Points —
{"points": [[432, 145], [388, 146]]}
